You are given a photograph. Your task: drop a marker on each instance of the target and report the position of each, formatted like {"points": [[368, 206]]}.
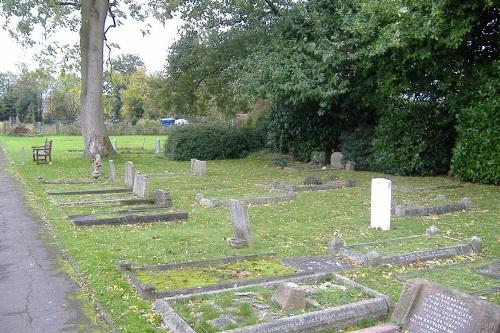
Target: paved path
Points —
{"points": [[35, 297]]}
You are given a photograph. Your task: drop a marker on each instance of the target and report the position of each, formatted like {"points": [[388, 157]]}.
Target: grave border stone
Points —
{"points": [[401, 210], [291, 187], [92, 220], [334, 317], [214, 202]]}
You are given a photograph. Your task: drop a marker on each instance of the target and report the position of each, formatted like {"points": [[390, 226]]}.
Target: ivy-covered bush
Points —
{"points": [[210, 141], [476, 156], [357, 146], [414, 139]]}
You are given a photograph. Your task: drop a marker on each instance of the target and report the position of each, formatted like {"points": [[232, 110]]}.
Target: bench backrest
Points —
{"points": [[48, 145]]}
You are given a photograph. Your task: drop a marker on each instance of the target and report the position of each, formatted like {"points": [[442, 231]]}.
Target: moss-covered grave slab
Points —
{"points": [[332, 302]]}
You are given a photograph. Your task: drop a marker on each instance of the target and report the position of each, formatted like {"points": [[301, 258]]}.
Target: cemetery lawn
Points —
{"points": [[301, 227]]}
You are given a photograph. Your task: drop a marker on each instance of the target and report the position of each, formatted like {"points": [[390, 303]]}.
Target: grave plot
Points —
{"points": [[405, 250], [478, 278], [168, 280], [314, 303], [70, 181], [427, 188], [129, 217], [264, 200], [308, 186], [432, 209]]}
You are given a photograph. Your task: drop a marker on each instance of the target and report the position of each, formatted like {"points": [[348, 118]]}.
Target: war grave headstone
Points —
{"points": [[402, 210], [213, 202], [426, 307], [240, 223], [381, 194], [314, 317], [199, 168], [380, 252], [336, 160]]}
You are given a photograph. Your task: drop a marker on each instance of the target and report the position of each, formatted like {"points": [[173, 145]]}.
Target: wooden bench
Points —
{"points": [[43, 153]]}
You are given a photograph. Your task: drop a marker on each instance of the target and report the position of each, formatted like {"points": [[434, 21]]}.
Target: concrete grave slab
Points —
{"points": [[284, 186], [131, 218], [316, 264]]}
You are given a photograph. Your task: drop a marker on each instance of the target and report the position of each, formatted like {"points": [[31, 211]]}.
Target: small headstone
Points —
{"points": [[141, 184], [240, 222], [336, 160], [112, 171], [290, 296], [137, 183], [432, 230], [426, 307], [381, 194], [476, 243], [162, 199], [349, 166], [335, 244], [400, 210], [318, 157], [200, 168], [129, 174], [115, 147], [158, 146]]}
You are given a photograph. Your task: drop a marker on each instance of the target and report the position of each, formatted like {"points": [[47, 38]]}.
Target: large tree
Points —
{"points": [[22, 16]]}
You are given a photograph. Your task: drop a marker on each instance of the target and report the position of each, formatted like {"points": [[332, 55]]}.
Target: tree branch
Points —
{"points": [[273, 7], [77, 5], [113, 25]]}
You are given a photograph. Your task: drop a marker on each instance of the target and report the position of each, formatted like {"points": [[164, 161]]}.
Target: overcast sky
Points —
{"points": [[151, 48]]}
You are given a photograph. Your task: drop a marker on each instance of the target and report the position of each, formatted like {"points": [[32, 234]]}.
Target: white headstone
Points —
{"points": [[129, 174], [158, 146], [112, 171], [381, 203], [239, 219]]}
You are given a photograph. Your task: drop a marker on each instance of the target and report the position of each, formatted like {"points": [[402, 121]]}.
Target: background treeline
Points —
{"points": [[405, 87]]}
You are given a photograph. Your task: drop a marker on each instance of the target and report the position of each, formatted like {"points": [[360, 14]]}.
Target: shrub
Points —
{"points": [[21, 129], [210, 141], [414, 139], [476, 156], [357, 146]]}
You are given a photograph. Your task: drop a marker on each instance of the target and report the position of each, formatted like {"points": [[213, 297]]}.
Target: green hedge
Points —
{"points": [[210, 141], [414, 139], [476, 156], [357, 146]]}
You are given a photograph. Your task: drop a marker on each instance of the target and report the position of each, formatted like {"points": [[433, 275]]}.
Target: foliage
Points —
{"points": [[476, 156], [357, 146], [20, 129], [135, 96], [63, 101], [210, 141]]}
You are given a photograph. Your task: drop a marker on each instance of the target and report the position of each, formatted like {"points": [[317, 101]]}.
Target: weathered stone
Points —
{"points": [[158, 146], [290, 296], [335, 245], [467, 202], [432, 230], [426, 307], [162, 199], [112, 171], [400, 210], [373, 258], [389, 328], [476, 243], [491, 270], [192, 164], [312, 181], [381, 194], [137, 183], [349, 166], [129, 174], [318, 157], [239, 218], [316, 264], [336, 160], [223, 321], [441, 197], [199, 167]]}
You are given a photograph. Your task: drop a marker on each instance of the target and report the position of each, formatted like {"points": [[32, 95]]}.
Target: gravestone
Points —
{"points": [[381, 194], [199, 168], [137, 181], [162, 199], [129, 174], [318, 157], [290, 296], [192, 164], [115, 147], [112, 171], [158, 146], [426, 307], [336, 160], [239, 219], [141, 185], [349, 166]]}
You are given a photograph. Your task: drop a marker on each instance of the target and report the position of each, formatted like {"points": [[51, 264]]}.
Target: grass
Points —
{"points": [[202, 276], [300, 227]]}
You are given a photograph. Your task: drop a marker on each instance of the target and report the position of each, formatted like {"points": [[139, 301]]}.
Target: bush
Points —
{"points": [[357, 146], [476, 156], [21, 129], [210, 141], [414, 139]]}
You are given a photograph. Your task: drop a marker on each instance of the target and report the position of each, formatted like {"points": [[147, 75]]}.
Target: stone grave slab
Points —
{"points": [[68, 181], [150, 292], [284, 186], [213, 202], [490, 270], [316, 264], [376, 306], [290, 296], [318, 157], [464, 204], [157, 146], [84, 192], [426, 307], [129, 218], [141, 185], [426, 188], [373, 258]]}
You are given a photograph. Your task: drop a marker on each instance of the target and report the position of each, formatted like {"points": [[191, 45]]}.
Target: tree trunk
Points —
{"points": [[95, 139]]}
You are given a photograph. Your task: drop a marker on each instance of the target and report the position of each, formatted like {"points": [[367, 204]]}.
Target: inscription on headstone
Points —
{"points": [[381, 203], [239, 219], [129, 174], [425, 307]]}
